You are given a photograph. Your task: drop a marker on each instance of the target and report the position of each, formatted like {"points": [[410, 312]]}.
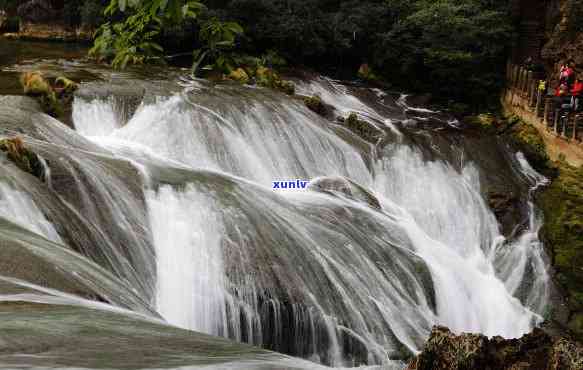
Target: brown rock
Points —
{"points": [[534, 351]]}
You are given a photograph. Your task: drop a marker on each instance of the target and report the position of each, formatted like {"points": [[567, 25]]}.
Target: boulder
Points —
{"points": [[239, 75], [65, 86], [22, 157], [534, 351], [364, 129], [34, 84], [315, 104], [338, 185], [267, 77]]}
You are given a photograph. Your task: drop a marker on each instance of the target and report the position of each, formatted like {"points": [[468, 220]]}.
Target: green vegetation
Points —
{"points": [[133, 38], [455, 49], [52, 99], [218, 40], [562, 204], [527, 138]]}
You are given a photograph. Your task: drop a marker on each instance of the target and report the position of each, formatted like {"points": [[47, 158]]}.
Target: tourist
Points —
{"points": [[577, 92], [562, 90]]}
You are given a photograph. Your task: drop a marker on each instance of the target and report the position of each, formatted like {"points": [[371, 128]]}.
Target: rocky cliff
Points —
{"points": [[564, 34], [550, 31]]}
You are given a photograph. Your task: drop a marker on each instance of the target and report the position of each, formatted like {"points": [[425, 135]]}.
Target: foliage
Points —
{"points": [[562, 204], [452, 48], [218, 40], [458, 47], [455, 49], [133, 39]]}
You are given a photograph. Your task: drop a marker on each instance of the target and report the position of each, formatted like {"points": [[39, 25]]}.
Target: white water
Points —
{"points": [[187, 236], [17, 206], [208, 242]]}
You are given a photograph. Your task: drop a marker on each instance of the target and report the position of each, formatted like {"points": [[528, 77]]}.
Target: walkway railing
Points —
{"points": [[523, 92]]}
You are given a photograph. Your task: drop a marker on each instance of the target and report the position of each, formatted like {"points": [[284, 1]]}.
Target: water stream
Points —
{"points": [[172, 210]]}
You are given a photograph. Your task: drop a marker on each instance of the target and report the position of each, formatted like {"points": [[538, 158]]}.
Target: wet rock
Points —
{"points": [[506, 207], [34, 84], [287, 87], [22, 157], [315, 104], [346, 187], [364, 129], [535, 351], [20, 102], [239, 75], [267, 77], [63, 85], [126, 97]]}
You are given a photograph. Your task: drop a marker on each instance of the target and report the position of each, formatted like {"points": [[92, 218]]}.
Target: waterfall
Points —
{"points": [[168, 214], [318, 275]]}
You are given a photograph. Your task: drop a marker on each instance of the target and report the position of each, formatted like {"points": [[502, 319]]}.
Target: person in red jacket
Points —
{"points": [[562, 90], [577, 89]]}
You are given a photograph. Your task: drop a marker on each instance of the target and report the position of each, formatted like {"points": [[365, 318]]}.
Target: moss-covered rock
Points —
{"points": [[34, 84], [484, 121], [239, 75], [287, 87], [529, 140], [365, 130], [22, 157], [534, 351], [267, 77], [562, 204], [65, 86], [521, 135], [315, 104]]}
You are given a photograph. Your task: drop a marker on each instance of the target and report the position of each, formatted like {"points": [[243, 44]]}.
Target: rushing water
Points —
{"points": [[169, 216]]}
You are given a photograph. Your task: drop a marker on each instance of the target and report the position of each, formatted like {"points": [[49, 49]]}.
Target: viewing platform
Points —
{"points": [[561, 130]]}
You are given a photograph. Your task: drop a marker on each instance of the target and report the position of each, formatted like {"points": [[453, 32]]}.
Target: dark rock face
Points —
{"points": [[565, 34], [535, 351], [38, 11], [505, 205]]}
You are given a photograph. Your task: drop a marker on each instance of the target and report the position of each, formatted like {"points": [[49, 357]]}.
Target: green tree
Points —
{"points": [[134, 38], [218, 39]]}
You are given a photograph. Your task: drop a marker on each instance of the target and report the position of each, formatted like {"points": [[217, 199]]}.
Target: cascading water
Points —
{"points": [[309, 274], [177, 205]]}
